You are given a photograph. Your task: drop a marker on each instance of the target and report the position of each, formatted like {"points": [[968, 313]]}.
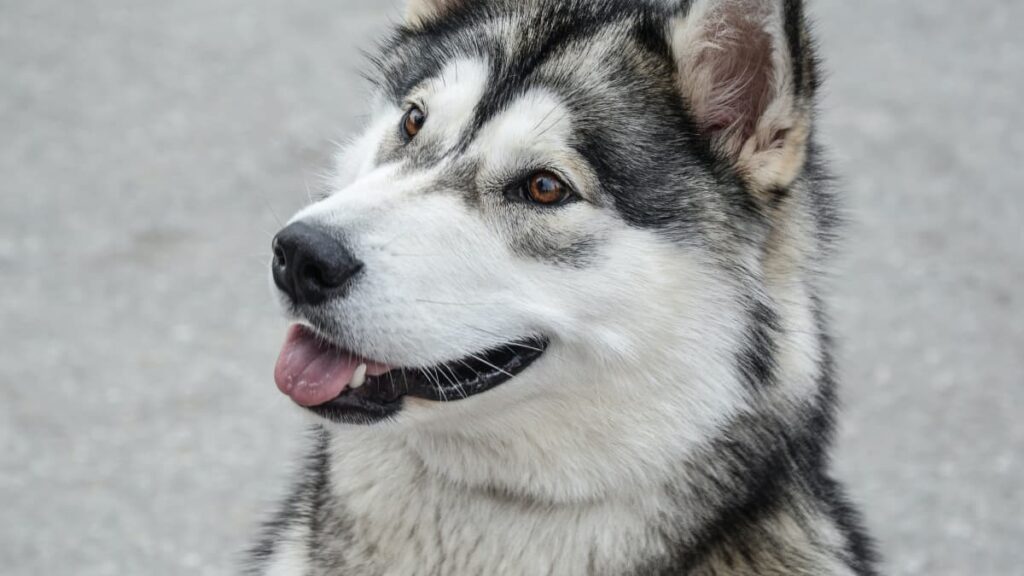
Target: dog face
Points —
{"points": [[548, 242]]}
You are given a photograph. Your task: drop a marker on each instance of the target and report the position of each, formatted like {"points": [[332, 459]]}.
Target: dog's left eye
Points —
{"points": [[546, 189]]}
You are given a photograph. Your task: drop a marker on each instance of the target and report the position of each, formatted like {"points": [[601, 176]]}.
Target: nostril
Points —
{"points": [[280, 259]]}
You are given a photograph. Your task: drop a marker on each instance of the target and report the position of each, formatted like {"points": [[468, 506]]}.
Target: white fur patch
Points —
{"points": [[291, 553], [450, 99]]}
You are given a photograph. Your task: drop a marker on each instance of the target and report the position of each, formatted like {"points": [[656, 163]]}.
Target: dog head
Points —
{"points": [[566, 240]]}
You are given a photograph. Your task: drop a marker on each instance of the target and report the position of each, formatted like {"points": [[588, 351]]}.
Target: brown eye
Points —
{"points": [[413, 122], [546, 188]]}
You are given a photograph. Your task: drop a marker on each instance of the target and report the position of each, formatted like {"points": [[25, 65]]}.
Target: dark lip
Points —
{"points": [[381, 396]]}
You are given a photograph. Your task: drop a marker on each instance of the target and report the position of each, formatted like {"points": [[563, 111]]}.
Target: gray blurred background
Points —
{"points": [[148, 149]]}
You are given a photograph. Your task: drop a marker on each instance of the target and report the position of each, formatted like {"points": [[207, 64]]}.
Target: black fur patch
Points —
{"points": [[756, 360]]}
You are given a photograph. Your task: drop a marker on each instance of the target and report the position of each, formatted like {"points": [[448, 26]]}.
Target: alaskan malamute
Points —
{"points": [[561, 310]]}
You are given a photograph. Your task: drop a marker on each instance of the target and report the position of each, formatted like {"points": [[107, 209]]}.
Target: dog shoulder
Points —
{"points": [[283, 547]]}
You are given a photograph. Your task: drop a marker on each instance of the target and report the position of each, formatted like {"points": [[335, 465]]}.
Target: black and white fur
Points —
{"points": [[680, 420]]}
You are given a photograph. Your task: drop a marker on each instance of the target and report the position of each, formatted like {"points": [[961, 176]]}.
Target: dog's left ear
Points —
{"points": [[419, 11], [747, 73]]}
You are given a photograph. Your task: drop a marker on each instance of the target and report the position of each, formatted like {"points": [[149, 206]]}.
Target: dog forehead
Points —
{"points": [[517, 38], [537, 119], [503, 99], [460, 78], [451, 97]]}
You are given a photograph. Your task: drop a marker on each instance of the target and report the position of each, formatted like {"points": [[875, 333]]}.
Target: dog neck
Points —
{"points": [[383, 510]]}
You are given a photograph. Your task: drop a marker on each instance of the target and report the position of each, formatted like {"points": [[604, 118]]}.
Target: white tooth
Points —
{"points": [[359, 378]]}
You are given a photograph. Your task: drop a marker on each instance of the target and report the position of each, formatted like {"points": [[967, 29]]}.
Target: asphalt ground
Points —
{"points": [[148, 150]]}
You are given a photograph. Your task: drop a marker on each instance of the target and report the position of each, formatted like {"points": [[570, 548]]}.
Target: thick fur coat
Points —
{"points": [[678, 414]]}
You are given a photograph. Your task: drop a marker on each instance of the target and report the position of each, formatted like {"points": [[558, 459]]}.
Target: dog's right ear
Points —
{"points": [[418, 12]]}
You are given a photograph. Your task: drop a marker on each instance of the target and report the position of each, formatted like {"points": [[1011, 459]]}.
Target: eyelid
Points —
{"points": [[582, 182], [410, 103]]}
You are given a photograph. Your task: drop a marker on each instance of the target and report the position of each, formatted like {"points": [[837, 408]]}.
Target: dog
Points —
{"points": [[561, 310]]}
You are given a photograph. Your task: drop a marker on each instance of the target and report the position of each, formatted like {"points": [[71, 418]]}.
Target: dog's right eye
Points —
{"points": [[413, 122], [546, 189]]}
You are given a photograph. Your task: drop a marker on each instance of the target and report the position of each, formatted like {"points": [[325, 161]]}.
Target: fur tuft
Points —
{"points": [[738, 76]]}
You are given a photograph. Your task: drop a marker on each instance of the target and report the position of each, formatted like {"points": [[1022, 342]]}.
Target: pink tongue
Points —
{"points": [[310, 372]]}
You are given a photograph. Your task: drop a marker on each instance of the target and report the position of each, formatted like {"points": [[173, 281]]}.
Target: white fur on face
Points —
{"points": [[535, 128], [625, 392], [639, 369], [450, 100]]}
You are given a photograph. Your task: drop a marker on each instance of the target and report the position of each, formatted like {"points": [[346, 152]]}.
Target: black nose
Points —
{"points": [[310, 265]]}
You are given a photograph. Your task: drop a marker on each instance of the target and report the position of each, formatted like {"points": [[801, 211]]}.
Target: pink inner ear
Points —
{"points": [[739, 62]]}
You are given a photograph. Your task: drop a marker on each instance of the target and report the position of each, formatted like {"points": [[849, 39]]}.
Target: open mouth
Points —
{"points": [[345, 387]]}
